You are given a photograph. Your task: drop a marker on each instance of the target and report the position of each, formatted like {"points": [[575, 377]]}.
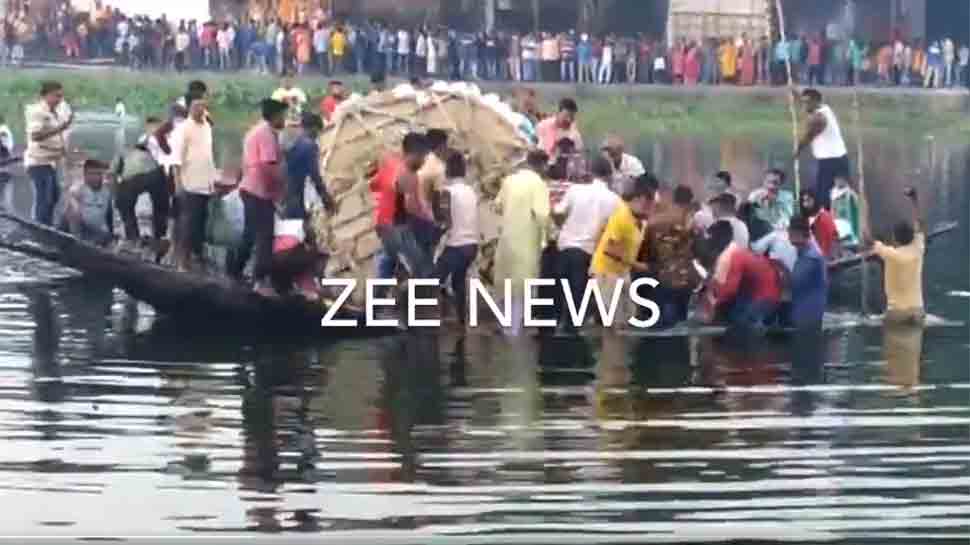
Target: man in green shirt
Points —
{"points": [[135, 172]]}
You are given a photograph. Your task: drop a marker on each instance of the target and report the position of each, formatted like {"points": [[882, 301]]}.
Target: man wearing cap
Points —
{"points": [[626, 167]]}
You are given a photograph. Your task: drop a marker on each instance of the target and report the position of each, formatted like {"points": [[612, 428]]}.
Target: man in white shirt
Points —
{"points": [[404, 51], [725, 208], [321, 45], [194, 171], [626, 167], [704, 218], [47, 121], [823, 136], [584, 211], [462, 238]]}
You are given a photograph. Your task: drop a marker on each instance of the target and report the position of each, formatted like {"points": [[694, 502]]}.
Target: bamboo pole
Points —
{"points": [[791, 97], [863, 206]]}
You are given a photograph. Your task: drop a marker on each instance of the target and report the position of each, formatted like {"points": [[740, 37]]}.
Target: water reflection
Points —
{"points": [[902, 347], [47, 384], [431, 434]]}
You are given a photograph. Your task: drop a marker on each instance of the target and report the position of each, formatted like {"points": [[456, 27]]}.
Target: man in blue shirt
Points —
{"points": [[302, 162], [809, 279]]}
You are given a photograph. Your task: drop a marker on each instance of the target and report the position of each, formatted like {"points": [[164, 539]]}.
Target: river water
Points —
{"points": [[116, 424]]}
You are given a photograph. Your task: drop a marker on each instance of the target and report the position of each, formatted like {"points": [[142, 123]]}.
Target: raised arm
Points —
{"points": [[911, 194], [37, 134]]}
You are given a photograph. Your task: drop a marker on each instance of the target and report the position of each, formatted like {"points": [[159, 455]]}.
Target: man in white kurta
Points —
{"points": [[523, 207]]}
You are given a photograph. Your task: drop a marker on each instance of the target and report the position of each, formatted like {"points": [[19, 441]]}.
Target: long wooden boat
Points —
{"points": [[201, 298], [190, 297]]}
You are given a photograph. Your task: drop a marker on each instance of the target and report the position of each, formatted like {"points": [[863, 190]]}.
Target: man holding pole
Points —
{"points": [[823, 135]]}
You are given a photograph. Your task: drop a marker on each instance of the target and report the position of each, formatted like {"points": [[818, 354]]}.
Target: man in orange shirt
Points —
{"points": [[553, 129]]}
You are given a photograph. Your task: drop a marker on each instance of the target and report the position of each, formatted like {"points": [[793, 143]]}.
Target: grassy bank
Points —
{"points": [[630, 110]]}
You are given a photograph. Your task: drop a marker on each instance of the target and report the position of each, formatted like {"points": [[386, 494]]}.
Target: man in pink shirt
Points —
{"points": [[551, 130], [262, 186]]}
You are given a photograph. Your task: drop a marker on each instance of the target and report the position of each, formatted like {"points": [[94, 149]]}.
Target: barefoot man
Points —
{"points": [[823, 135]]}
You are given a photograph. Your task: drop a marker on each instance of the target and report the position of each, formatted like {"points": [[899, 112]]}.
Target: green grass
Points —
{"points": [[235, 100]]}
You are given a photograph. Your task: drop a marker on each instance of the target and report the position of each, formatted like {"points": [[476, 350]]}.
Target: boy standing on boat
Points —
{"points": [[261, 188], [903, 265], [823, 135]]}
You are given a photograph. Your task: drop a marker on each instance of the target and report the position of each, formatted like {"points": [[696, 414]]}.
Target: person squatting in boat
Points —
{"points": [[87, 212]]}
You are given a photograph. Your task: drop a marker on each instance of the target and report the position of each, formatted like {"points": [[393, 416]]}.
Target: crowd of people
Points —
{"points": [[320, 45], [568, 212]]}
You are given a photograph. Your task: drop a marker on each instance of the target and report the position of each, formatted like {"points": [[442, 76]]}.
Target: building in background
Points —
{"points": [[698, 19]]}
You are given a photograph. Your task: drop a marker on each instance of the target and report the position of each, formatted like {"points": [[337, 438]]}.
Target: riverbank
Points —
{"points": [[633, 110]]}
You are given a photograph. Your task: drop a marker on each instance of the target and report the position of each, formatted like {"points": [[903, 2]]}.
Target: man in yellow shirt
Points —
{"points": [[619, 245], [903, 266], [338, 46]]}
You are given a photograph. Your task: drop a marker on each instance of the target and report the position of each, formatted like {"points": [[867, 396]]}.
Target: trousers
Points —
{"points": [[126, 196], [257, 239], [47, 192]]}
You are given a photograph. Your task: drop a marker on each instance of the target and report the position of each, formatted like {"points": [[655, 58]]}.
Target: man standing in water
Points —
{"points": [[903, 264], [46, 147], [823, 134], [584, 209], [523, 208]]}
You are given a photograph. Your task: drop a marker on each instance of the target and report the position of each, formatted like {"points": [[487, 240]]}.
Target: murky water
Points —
{"points": [[114, 423]]}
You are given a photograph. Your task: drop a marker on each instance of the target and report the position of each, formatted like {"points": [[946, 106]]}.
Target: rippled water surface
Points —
{"points": [[114, 422]]}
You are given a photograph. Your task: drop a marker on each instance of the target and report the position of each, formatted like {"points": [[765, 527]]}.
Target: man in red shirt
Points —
{"points": [[383, 188], [746, 286], [262, 186], [337, 93], [824, 230]]}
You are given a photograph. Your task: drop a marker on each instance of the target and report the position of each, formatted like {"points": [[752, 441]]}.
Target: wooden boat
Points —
{"points": [[854, 260], [191, 297]]}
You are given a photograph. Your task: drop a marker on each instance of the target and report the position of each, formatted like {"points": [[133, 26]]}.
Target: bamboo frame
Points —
{"points": [[791, 99], [863, 206]]}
